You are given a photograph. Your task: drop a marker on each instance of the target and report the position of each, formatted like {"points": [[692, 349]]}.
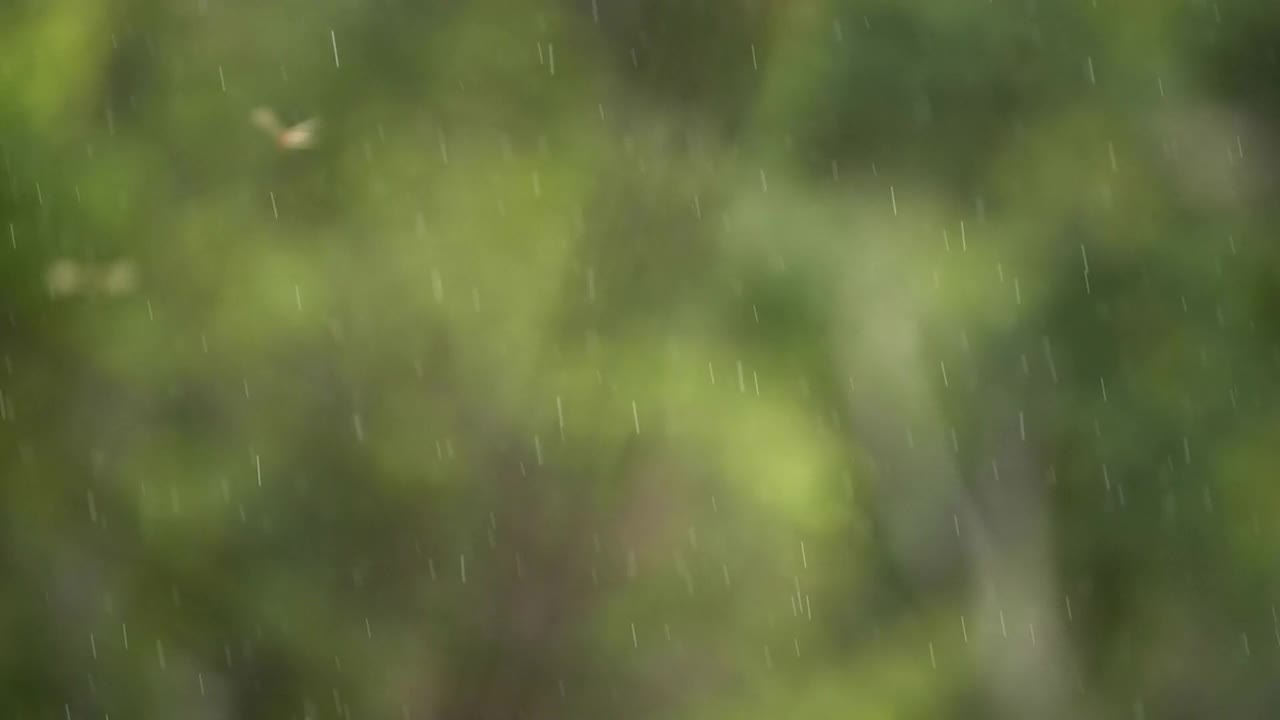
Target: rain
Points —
{"points": [[590, 359]]}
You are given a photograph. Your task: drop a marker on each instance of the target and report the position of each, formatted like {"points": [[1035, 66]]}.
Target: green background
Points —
{"points": [[666, 359]]}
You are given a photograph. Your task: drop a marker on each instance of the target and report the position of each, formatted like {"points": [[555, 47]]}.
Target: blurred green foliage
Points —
{"points": [[749, 358]]}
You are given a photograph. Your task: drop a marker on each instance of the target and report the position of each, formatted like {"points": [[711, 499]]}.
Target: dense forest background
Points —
{"points": [[663, 359]]}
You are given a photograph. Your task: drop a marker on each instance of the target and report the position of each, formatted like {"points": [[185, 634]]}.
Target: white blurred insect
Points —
{"points": [[297, 137], [66, 277]]}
